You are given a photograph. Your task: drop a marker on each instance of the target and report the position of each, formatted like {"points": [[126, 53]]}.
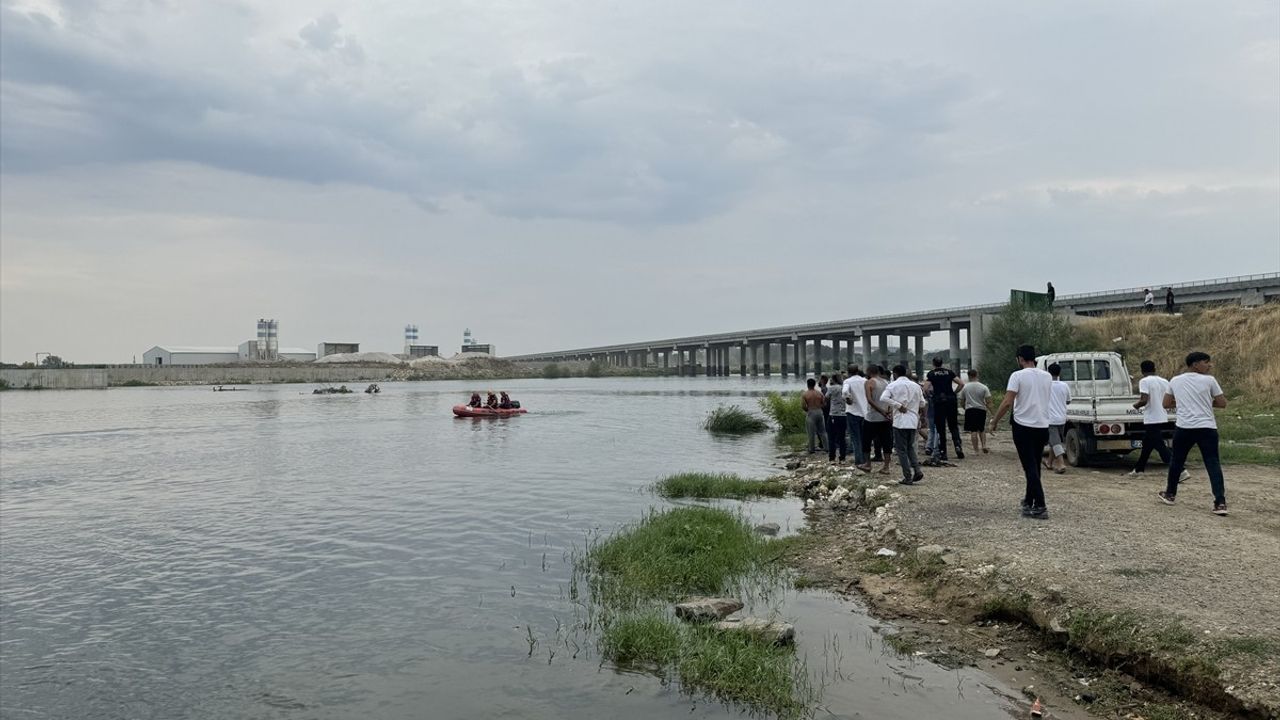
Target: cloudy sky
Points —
{"points": [[559, 174]]}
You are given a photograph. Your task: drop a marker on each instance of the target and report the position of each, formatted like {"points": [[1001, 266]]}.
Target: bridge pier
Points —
{"points": [[953, 335], [920, 356], [767, 347]]}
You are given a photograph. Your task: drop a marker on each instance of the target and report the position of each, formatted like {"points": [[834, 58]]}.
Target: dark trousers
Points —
{"points": [[904, 439], [1207, 440], [878, 435], [944, 418], [835, 437], [854, 424], [1152, 439], [1030, 443]]}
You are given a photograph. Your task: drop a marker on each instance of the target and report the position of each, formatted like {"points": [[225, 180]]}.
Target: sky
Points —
{"points": [[566, 174]]}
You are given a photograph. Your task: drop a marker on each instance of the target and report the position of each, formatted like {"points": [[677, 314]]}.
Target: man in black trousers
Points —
{"points": [[1028, 394]]}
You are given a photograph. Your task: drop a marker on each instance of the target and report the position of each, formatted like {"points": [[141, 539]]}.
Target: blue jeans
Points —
{"points": [[1207, 440], [855, 439]]}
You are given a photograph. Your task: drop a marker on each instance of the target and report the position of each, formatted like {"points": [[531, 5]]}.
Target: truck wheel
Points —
{"points": [[1075, 448]]}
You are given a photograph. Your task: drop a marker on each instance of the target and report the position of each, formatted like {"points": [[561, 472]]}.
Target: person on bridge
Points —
{"points": [[1168, 300], [1028, 394], [1149, 300], [904, 397], [1195, 394], [1155, 420], [836, 412], [1053, 294], [855, 395], [812, 401], [1060, 397], [977, 402], [877, 432], [945, 383]]}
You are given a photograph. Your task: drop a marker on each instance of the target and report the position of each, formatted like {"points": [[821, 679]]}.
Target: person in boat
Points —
{"points": [[504, 401], [475, 400], [492, 402]]}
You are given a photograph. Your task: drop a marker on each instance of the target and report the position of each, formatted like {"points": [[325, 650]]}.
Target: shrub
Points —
{"points": [[594, 370], [786, 410], [733, 419], [553, 371], [717, 485], [1016, 325]]}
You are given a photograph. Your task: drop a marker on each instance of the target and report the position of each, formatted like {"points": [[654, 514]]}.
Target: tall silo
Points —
{"points": [[410, 338], [260, 349], [273, 340]]}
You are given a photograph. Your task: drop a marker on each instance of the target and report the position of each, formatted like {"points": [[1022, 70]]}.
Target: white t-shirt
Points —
{"points": [[905, 397], [1156, 387], [1149, 299], [1059, 397], [1031, 406], [855, 388], [1194, 392]]}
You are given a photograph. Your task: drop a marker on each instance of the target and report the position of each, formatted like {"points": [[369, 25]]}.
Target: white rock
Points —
{"points": [[702, 609], [839, 495], [774, 631], [993, 652], [886, 552]]}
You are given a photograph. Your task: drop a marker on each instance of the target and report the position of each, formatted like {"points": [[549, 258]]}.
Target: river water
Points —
{"points": [[181, 553]]}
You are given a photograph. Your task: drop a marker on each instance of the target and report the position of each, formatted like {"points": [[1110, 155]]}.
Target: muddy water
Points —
{"points": [[180, 553]]}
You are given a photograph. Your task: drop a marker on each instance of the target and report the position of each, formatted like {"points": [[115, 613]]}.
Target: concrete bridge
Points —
{"points": [[802, 348]]}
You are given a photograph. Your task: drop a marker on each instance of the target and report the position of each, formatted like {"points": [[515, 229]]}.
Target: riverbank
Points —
{"points": [[1117, 602]]}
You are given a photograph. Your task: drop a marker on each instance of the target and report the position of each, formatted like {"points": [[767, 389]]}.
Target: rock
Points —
{"points": [[944, 621], [774, 631], [793, 465], [886, 552], [769, 529], [703, 609], [925, 552], [1057, 627], [879, 492], [992, 653], [839, 495]]}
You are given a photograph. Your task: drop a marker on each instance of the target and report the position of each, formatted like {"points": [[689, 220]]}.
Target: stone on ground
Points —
{"points": [[703, 609], [773, 631]]}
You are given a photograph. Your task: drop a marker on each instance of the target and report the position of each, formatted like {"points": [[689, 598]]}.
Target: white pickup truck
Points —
{"points": [[1100, 419]]}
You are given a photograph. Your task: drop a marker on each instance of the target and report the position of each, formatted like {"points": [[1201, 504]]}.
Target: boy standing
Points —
{"points": [[1151, 389], [1059, 398], [977, 402], [1195, 394]]}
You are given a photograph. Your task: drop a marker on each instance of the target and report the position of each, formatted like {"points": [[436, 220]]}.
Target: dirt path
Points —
{"points": [[1110, 545]]}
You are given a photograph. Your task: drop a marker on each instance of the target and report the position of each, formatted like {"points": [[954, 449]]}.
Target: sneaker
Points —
{"points": [[920, 476], [1185, 476], [1133, 474], [1220, 509], [1166, 498], [959, 454], [1038, 513], [1026, 508], [906, 481]]}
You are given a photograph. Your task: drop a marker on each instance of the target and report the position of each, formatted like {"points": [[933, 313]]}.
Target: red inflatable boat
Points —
{"points": [[480, 412]]}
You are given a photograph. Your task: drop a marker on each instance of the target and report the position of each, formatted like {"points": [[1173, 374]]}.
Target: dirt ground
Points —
{"points": [[1109, 544]]}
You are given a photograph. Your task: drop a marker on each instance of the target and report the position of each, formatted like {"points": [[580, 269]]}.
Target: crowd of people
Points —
{"points": [[869, 417]]}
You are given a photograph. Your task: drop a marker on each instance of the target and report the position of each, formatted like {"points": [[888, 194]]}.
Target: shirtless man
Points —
{"points": [[813, 402]]}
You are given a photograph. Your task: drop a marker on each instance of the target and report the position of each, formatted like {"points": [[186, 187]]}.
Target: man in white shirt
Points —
{"points": [[1028, 395], [976, 398], [905, 397], [1149, 300], [1155, 420], [855, 396], [1195, 394], [1059, 398]]}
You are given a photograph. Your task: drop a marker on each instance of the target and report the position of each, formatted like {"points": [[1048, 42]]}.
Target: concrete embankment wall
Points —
{"points": [[55, 379], [208, 375]]}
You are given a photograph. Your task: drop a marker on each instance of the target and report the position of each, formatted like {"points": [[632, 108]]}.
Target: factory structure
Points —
{"points": [[265, 348]]}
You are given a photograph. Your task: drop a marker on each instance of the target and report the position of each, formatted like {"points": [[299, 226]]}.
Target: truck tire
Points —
{"points": [[1076, 455]]}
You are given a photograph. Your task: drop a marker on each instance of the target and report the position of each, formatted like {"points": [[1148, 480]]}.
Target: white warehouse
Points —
{"points": [[197, 355]]}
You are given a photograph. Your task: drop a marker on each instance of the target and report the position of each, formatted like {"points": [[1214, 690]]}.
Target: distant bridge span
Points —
{"points": [[797, 345]]}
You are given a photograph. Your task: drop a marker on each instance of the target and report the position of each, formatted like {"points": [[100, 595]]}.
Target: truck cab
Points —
{"points": [[1101, 420]]}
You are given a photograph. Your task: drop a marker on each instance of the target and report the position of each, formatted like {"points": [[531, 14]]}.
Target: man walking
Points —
{"points": [[977, 402], [904, 397], [1195, 394], [835, 419], [1059, 398], [1155, 420], [812, 400], [1168, 300], [945, 382], [1027, 394], [855, 396], [1149, 300]]}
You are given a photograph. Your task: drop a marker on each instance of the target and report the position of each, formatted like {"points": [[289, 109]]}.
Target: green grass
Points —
{"points": [[677, 552], [1006, 607], [717, 485], [137, 383], [746, 669], [733, 420], [1256, 647], [649, 638], [900, 644], [1110, 634], [786, 411]]}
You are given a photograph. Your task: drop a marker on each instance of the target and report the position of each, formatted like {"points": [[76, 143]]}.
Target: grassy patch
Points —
{"points": [[787, 412], [644, 639], [876, 565], [717, 485], [1257, 647], [1010, 606], [733, 420], [744, 668], [1119, 634], [901, 644], [682, 551]]}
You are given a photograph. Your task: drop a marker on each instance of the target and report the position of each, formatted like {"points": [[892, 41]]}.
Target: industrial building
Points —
{"points": [[336, 348], [411, 347], [266, 348], [469, 345]]}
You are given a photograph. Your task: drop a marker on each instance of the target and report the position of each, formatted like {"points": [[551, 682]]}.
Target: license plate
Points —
{"points": [[1136, 444]]}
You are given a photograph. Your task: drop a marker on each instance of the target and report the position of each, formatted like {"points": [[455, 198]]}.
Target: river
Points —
{"points": [[269, 553]]}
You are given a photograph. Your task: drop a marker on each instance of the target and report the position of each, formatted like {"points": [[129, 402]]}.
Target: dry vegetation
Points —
{"points": [[1242, 341]]}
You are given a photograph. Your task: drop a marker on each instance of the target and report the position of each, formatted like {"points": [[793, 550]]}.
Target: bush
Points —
{"points": [[733, 419], [594, 370], [1016, 325], [553, 371], [717, 485], [786, 411]]}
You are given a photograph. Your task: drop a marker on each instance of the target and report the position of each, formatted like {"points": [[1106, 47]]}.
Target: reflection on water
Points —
{"points": [[174, 552]]}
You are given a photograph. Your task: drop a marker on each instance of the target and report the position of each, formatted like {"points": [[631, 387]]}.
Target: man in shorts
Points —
{"points": [[977, 402]]}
